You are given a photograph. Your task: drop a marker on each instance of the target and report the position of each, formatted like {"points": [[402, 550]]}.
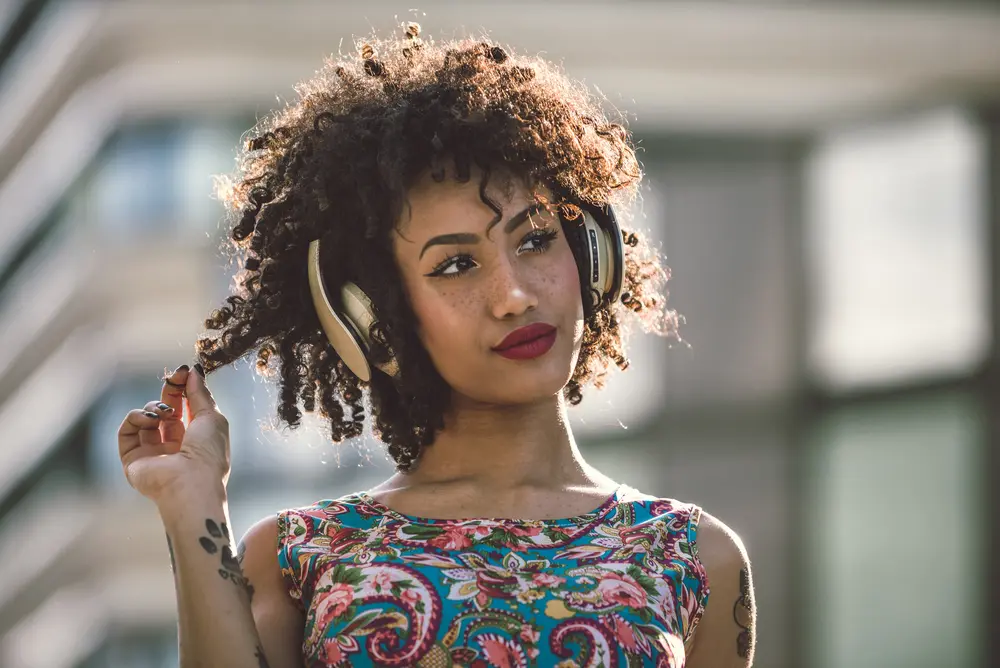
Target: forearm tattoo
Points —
{"points": [[241, 552], [743, 615], [232, 569]]}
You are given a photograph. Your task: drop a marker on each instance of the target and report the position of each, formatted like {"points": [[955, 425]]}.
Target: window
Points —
{"points": [[896, 533], [896, 254]]}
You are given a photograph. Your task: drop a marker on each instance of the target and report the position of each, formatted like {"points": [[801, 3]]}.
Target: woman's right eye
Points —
{"points": [[454, 266]]}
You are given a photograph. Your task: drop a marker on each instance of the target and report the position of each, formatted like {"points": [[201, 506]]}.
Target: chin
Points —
{"points": [[520, 382]]}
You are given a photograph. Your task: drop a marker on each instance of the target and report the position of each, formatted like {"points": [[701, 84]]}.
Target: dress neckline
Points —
{"points": [[380, 508]]}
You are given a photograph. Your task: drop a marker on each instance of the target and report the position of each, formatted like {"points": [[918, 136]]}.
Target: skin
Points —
{"points": [[507, 448]]}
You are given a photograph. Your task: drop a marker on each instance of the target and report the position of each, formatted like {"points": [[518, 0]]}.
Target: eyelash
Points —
{"points": [[543, 237]]}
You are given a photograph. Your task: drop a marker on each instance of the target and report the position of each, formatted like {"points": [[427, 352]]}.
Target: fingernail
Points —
{"points": [[164, 407], [182, 367], [150, 414], [200, 369]]}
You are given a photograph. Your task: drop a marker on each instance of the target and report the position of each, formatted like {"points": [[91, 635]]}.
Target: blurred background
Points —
{"points": [[822, 177]]}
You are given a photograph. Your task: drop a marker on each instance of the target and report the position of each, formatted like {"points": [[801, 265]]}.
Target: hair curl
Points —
{"points": [[337, 165]]}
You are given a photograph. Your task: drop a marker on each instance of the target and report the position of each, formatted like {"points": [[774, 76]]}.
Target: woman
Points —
{"points": [[430, 232]]}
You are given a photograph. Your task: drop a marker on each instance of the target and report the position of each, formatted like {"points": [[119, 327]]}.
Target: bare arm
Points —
{"points": [[215, 624], [280, 622], [184, 469], [725, 636]]}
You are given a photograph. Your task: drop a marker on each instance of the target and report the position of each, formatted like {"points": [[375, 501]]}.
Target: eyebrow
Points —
{"points": [[470, 238]]}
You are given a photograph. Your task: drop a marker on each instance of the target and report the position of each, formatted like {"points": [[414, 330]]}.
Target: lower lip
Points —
{"points": [[529, 349]]}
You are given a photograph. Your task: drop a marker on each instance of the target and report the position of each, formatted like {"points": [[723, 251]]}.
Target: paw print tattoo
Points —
{"points": [[231, 566]]}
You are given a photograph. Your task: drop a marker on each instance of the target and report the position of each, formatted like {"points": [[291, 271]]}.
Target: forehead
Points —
{"points": [[435, 207]]}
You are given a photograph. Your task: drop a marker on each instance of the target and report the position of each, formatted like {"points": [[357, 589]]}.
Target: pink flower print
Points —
{"points": [[528, 634], [624, 633], [525, 530], [452, 538], [621, 589], [410, 596], [501, 652], [478, 531], [382, 582], [330, 652], [333, 603], [339, 535], [546, 580]]}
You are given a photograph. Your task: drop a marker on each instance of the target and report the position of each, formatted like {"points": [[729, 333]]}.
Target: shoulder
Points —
{"points": [[725, 635], [259, 545], [719, 547]]}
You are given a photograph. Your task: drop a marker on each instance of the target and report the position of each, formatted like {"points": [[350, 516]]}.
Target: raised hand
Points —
{"points": [[160, 453]]}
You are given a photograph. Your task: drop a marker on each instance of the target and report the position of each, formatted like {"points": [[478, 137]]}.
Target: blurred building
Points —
{"points": [[822, 177]]}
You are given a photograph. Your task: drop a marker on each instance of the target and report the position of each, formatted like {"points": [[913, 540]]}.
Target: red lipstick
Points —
{"points": [[527, 342]]}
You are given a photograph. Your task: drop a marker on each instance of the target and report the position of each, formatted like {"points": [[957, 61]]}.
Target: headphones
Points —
{"points": [[597, 245]]}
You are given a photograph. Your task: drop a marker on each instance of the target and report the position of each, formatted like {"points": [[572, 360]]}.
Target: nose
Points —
{"points": [[511, 295]]}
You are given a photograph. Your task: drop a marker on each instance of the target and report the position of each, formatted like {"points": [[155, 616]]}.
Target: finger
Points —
{"points": [[151, 436], [169, 422], [199, 398], [134, 434], [172, 394], [159, 408]]}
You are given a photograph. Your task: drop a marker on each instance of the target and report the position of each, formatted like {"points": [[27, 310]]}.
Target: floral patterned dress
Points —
{"points": [[619, 586]]}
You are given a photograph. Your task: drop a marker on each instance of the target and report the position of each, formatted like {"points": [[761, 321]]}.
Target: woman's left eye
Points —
{"points": [[540, 240]]}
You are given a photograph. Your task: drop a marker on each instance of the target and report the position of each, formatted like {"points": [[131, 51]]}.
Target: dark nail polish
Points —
{"points": [[164, 407], [150, 414], [200, 369], [182, 367]]}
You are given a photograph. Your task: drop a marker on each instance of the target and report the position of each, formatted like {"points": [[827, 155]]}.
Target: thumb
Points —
{"points": [[200, 399]]}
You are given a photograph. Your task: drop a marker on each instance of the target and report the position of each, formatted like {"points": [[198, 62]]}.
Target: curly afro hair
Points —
{"points": [[337, 165]]}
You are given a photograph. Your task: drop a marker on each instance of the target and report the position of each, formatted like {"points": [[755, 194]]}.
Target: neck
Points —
{"points": [[504, 447]]}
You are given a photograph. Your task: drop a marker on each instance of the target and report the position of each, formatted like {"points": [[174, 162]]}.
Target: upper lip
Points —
{"points": [[535, 330]]}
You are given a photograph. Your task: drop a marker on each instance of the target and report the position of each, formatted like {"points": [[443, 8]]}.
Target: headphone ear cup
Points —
{"points": [[346, 330], [360, 313], [599, 249]]}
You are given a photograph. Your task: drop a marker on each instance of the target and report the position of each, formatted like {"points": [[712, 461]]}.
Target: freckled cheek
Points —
{"points": [[446, 317], [560, 284]]}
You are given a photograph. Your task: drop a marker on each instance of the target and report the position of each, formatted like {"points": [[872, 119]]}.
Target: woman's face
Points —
{"points": [[472, 283]]}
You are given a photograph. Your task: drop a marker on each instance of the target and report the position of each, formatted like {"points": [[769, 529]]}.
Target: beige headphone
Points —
{"points": [[597, 246]]}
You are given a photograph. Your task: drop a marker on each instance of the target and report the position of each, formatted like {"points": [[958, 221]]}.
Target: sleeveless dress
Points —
{"points": [[619, 586]]}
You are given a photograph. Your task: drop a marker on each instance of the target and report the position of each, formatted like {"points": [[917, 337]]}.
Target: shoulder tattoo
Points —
{"points": [[743, 616]]}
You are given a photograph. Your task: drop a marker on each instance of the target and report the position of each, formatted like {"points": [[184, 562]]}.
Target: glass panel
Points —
{"points": [[157, 177], [725, 234], [135, 183], [896, 252], [895, 517]]}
